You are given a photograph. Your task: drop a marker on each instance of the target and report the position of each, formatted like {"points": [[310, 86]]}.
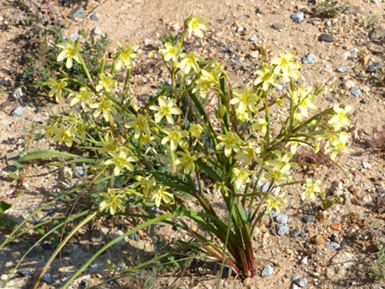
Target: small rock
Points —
{"points": [[1, 18], [18, 111], [282, 229], [25, 273], [277, 26], [134, 236], [18, 93], [301, 282], [329, 99], [310, 58], [357, 178], [76, 13], [4, 277], [366, 165], [296, 232], [80, 170], [355, 91], [267, 271], [303, 234], [352, 10], [333, 246], [279, 87], [297, 16], [47, 278], [373, 67], [336, 226], [314, 22], [96, 31], [308, 218], [74, 36], [94, 18], [342, 69], [253, 38], [317, 240], [304, 261], [266, 187], [377, 34], [240, 29], [326, 38], [282, 218], [365, 100]]}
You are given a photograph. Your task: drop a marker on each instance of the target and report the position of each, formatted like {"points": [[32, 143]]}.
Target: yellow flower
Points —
{"points": [[174, 136], [196, 25], [275, 202], [108, 146], [339, 144], [260, 125], [340, 119], [84, 97], [65, 135], [307, 102], [230, 141], [241, 177], [57, 88], [282, 160], [195, 130], [140, 123], [247, 153], [166, 108], [105, 106], [246, 99], [186, 161], [112, 201], [121, 159], [206, 81], [171, 52], [146, 185], [190, 61], [311, 188], [277, 173], [126, 55], [287, 65], [106, 82], [267, 77], [71, 51], [160, 194]]}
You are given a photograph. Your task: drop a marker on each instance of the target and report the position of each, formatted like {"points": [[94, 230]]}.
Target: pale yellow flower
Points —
{"points": [[196, 25], [260, 125], [339, 144], [104, 106], [166, 108], [109, 145], [140, 123], [278, 174], [113, 200], [241, 177], [174, 136], [190, 61], [160, 194], [126, 55], [57, 88], [71, 50], [171, 52], [311, 188], [65, 135], [106, 82], [121, 159], [340, 119], [275, 202], [195, 130], [286, 65], [230, 141], [84, 97], [267, 77], [186, 161], [246, 99], [206, 81]]}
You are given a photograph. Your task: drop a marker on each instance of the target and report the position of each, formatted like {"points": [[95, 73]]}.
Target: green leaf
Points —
{"points": [[18, 165], [12, 223], [208, 170], [4, 206], [55, 241], [38, 136], [13, 176], [45, 154], [2, 223]]}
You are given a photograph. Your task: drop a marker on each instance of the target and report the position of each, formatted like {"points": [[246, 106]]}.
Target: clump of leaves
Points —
{"points": [[378, 269], [329, 8]]}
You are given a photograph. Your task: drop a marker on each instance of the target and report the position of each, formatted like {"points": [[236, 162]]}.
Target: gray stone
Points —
{"points": [[25, 273], [40, 109], [282, 229], [253, 38], [282, 218], [266, 187], [342, 69], [134, 236], [373, 67], [357, 178], [94, 18], [326, 38], [352, 10], [377, 34], [267, 271], [301, 282], [310, 58], [47, 278], [18, 93], [296, 232], [308, 218], [74, 36], [77, 12], [96, 31], [304, 261], [329, 99], [18, 111], [80, 170], [279, 87], [333, 246], [365, 100], [297, 16], [314, 22], [355, 91], [366, 165], [277, 26]]}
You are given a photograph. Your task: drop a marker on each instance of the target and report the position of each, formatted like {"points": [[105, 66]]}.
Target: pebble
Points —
{"points": [[317, 240], [96, 31], [333, 246], [279, 87], [47, 278], [329, 99], [253, 38], [355, 91], [18, 93], [297, 16], [18, 111], [1, 18], [352, 10], [336, 226], [366, 165], [25, 273], [373, 67], [357, 178], [277, 26], [304, 261], [134, 236], [377, 34], [342, 69], [76, 13], [282, 229], [94, 18], [74, 36], [314, 22], [365, 100], [266, 187], [326, 38], [296, 232], [80, 170], [282, 218], [308, 218], [310, 58], [267, 271], [301, 282]]}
